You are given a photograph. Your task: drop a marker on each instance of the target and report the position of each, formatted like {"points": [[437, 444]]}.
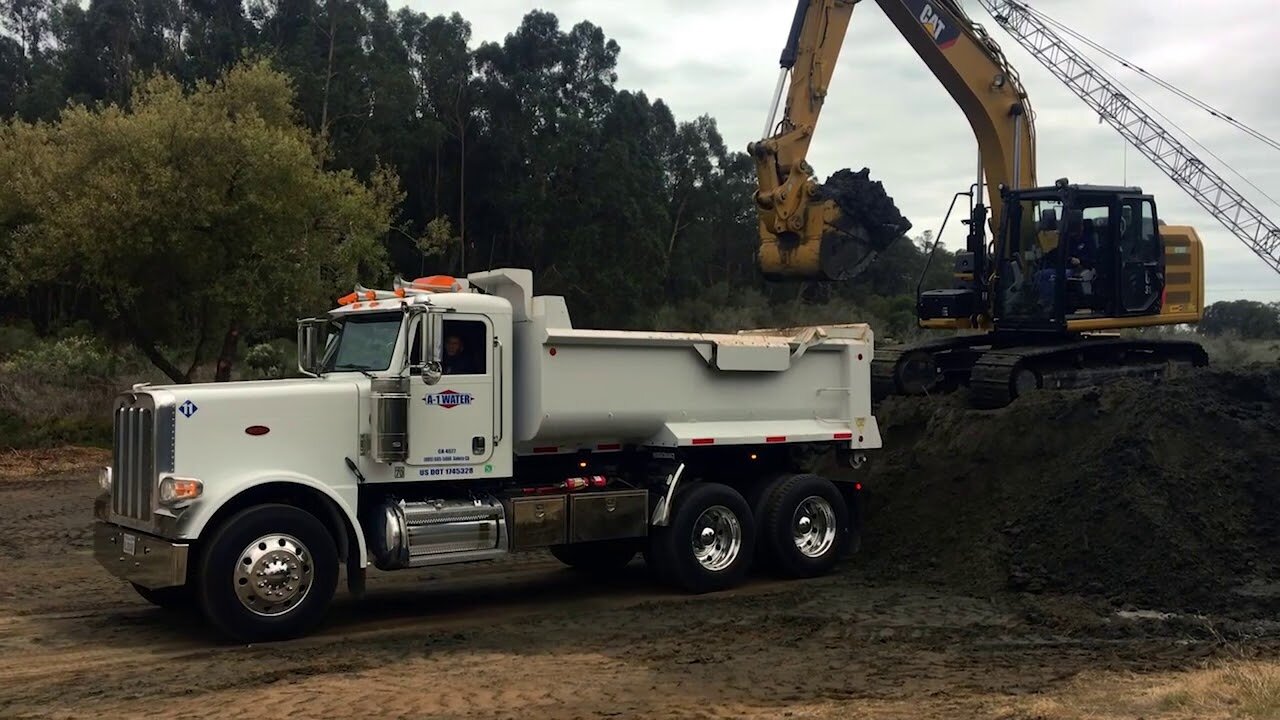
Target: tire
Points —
{"points": [[758, 496], [597, 558], [805, 526], [701, 512], [259, 539], [171, 598]]}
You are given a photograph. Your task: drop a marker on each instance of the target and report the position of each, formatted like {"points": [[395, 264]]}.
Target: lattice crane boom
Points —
{"points": [[1161, 147]]}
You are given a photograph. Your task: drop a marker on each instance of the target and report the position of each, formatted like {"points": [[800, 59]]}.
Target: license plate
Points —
{"points": [[129, 544]]}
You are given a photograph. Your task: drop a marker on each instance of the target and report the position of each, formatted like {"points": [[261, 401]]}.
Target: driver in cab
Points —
{"points": [[456, 360]]}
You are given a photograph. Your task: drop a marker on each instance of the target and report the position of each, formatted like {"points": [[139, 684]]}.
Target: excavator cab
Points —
{"points": [[1076, 252]]}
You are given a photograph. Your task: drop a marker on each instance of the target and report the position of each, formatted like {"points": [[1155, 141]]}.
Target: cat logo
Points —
{"points": [[938, 26], [932, 23]]}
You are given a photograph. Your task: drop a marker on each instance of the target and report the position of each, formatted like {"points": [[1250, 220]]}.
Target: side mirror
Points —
{"points": [[430, 328], [312, 334]]}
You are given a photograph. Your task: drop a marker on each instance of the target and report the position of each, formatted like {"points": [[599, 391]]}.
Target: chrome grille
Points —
{"points": [[134, 463], [142, 450]]}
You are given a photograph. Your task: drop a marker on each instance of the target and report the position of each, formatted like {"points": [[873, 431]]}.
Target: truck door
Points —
{"points": [[451, 423]]}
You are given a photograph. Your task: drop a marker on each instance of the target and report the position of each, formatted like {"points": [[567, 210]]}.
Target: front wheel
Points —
{"points": [[268, 574], [710, 542]]}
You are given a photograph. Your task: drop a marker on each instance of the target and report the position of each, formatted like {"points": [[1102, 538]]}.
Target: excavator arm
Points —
{"points": [[832, 231], [810, 231]]}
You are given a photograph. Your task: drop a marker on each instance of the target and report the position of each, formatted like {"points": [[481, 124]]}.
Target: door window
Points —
{"points": [[462, 348], [1141, 282], [1028, 275], [1139, 242]]}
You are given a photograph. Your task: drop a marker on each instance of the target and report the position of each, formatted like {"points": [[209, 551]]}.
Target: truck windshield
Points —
{"points": [[363, 342]]}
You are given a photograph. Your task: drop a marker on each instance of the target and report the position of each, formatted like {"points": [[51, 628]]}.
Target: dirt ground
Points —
{"points": [[889, 635]]}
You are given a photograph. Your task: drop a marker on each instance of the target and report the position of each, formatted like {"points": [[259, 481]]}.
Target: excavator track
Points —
{"points": [[997, 373], [935, 366], [1001, 375]]}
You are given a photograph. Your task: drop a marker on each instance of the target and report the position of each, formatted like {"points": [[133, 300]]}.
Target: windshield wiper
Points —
{"points": [[349, 366]]}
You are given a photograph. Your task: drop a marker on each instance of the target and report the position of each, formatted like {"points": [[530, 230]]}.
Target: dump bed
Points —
{"points": [[592, 388]]}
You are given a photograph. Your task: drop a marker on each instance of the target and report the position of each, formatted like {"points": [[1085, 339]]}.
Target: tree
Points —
{"points": [[192, 215], [522, 152], [1249, 319]]}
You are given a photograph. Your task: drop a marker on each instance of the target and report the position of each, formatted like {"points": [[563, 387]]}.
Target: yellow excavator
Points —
{"points": [[1068, 265]]}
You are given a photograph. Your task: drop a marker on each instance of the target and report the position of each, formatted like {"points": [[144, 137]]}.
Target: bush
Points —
{"points": [[14, 338], [721, 309], [1230, 349], [265, 360], [71, 359], [17, 433]]}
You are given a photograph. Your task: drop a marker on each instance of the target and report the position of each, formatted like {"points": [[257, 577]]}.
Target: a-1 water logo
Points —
{"points": [[449, 399]]}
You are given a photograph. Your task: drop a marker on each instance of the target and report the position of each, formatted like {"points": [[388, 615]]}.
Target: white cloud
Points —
{"points": [[886, 111]]}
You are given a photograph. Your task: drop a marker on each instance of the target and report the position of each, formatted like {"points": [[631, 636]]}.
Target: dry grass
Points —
{"points": [[1228, 690], [27, 464], [1245, 689]]}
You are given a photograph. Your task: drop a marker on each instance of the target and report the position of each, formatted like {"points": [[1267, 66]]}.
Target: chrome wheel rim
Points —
{"points": [[813, 526], [717, 538], [273, 575]]}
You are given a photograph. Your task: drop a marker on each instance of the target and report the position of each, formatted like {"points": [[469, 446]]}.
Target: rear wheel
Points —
{"points": [[710, 542], [759, 496], [606, 556], [805, 526], [268, 574]]}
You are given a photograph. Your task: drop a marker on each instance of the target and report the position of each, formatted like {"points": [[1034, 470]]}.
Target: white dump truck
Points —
{"points": [[458, 420]]}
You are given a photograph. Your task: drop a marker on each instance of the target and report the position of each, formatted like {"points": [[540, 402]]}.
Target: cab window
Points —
{"points": [[1139, 241], [462, 348]]}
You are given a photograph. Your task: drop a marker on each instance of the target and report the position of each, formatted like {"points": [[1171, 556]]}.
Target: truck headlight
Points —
{"points": [[176, 491], [104, 478]]}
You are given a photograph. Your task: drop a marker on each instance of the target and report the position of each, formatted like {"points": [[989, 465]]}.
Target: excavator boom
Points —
{"points": [[974, 71]]}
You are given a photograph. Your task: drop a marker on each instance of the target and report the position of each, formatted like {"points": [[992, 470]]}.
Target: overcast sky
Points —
{"points": [[887, 112]]}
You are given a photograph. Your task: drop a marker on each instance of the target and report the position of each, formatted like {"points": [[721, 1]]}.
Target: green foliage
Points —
{"points": [[73, 360], [1247, 319], [438, 238], [726, 309], [15, 337], [53, 431], [205, 209], [265, 360]]}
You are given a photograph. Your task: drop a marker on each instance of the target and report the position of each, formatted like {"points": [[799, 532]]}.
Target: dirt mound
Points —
{"points": [[1164, 496]]}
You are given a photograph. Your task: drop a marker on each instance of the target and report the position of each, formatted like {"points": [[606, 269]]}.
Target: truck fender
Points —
{"points": [[196, 524]]}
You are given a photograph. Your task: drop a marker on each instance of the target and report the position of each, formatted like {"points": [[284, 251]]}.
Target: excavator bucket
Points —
{"points": [[846, 223]]}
